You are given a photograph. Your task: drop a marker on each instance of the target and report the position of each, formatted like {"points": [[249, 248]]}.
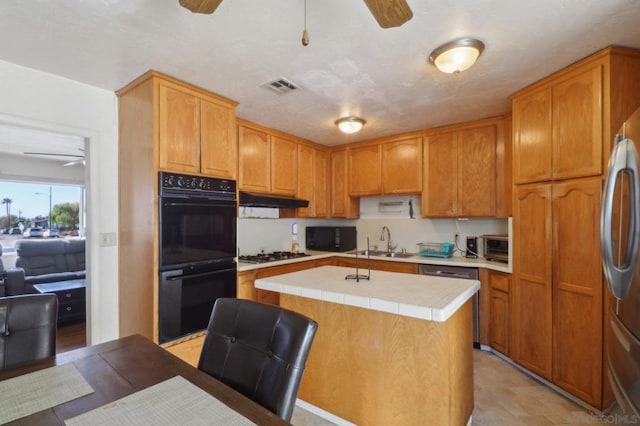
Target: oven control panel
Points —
{"points": [[196, 183]]}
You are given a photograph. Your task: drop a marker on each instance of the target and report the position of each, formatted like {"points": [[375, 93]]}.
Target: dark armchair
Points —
{"points": [[259, 350], [27, 328]]}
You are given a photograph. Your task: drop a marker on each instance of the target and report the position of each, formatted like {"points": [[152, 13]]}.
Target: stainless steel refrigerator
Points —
{"points": [[620, 242]]}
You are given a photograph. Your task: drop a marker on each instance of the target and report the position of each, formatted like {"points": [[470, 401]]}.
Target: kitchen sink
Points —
{"points": [[385, 254]]}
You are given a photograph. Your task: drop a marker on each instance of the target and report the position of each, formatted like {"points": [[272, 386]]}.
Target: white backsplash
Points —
{"points": [[255, 235]]}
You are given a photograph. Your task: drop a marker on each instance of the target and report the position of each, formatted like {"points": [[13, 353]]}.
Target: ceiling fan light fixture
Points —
{"points": [[350, 124], [457, 55]]}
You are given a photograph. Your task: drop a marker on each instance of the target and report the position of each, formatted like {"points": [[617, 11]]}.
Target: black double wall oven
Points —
{"points": [[197, 239]]}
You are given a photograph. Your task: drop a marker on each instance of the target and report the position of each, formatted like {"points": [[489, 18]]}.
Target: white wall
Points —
{"points": [[275, 234], [35, 99]]}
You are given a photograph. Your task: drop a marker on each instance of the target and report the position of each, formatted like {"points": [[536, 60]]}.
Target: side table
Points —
{"points": [[71, 298]]}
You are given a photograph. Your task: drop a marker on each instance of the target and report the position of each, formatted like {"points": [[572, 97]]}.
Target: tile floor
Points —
{"points": [[504, 396]]}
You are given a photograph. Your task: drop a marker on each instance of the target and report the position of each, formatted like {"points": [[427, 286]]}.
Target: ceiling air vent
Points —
{"points": [[281, 86]]}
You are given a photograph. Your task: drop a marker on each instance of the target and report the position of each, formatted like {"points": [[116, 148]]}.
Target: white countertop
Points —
{"points": [[452, 261], [418, 296]]}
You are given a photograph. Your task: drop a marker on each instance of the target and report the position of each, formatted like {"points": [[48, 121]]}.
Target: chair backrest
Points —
{"points": [[27, 328], [259, 350]]}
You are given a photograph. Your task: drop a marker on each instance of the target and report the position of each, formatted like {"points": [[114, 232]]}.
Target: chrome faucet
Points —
{"points": [[389, 246]]}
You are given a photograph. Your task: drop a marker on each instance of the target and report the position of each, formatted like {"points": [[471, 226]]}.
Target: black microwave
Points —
{"points": [[330, 238]]}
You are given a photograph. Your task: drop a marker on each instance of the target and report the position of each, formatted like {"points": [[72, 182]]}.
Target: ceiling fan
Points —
{"points": [[388, 13], [79, 159]]}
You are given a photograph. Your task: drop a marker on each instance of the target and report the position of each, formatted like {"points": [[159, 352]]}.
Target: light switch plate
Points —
{"points": [[108, 239]]}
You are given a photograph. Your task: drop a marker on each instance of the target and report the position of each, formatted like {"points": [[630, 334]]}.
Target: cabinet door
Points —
{"points": [[477, 172], [440, 175], [179, 130], [306, 159], [577, 288], [340, 201], [532, 137], [255, 160], [364, 168], [499, 329], [532, 278], [402, 166], [321, 184], [577, 126], [284, 166], [219, 149], [245, 288]]}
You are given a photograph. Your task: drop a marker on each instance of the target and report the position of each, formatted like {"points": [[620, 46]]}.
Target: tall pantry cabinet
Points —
{"points": [[563, 128], [164, 125]]}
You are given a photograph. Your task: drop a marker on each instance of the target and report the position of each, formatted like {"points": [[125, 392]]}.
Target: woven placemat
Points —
{"points": [[37, 391], [173, 402]]}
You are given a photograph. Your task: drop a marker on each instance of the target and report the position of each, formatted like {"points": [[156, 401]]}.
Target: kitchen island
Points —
{"points": [[395, 349]]}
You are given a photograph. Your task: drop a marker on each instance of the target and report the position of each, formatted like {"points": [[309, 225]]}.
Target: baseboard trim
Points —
{"points": [[547, 383]]}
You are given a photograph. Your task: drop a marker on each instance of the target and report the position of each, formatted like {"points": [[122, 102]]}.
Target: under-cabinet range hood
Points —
{"points": [[252, 199]]}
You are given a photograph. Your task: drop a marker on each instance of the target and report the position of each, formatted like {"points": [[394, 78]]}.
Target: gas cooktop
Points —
{"points": [[270, 257]]}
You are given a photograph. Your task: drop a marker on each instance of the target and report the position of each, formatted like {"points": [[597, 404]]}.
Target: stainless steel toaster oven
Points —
{"points": [[496, 247]]}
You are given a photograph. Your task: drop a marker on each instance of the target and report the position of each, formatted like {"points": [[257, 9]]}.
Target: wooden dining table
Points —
{"points": [[124, 366]]}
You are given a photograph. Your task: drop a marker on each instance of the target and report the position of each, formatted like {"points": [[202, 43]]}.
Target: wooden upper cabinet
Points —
{"points": [[341, 204], [313, 175], [179, 130], [460, 173], [255, 160], [196, 133], [477, 171], [365, 170], [306, 161], [558, 129], [532, 137], [440, 185], [284, 166], [402, 166], [577, 125], [321, 184], [218, 140]]}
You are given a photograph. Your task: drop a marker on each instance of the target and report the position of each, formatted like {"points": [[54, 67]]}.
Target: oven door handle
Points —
{"points": [[208, 204], [202, 274]]}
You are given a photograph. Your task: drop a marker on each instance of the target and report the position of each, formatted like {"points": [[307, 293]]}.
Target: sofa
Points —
{"points": [[45, 261]]}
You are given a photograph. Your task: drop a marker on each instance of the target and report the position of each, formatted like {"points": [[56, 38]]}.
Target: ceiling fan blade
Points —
{"points": [[201, 6], [53, 154], [390, 13]]}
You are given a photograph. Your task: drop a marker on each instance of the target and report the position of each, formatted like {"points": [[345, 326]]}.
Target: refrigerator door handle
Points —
{"points": [[624, 160]]}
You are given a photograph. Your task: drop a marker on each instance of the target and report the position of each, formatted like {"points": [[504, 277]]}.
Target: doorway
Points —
{"points": [[52, 158]]}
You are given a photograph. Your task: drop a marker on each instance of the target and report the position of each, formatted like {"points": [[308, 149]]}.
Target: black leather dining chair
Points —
{"points": [[27, 328], [259, 350]]}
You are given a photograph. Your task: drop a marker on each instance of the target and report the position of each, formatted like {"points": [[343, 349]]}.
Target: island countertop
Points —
{"points": [[418, 296]]}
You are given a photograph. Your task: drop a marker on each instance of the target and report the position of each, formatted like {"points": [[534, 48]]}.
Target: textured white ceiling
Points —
{"points": [[351, 66]]}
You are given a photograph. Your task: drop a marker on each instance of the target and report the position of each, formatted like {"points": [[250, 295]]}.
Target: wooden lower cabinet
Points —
{"points": [[499, 328], [379, 265], [558, 286], [532, 257], [577, 289]]}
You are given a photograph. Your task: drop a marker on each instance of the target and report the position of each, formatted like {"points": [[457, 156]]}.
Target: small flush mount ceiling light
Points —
{"points": [[456, 56], [350, 124]]}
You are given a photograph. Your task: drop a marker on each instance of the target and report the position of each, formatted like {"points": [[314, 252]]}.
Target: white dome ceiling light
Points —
{"points": [[457, 55], [350, 124]]}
